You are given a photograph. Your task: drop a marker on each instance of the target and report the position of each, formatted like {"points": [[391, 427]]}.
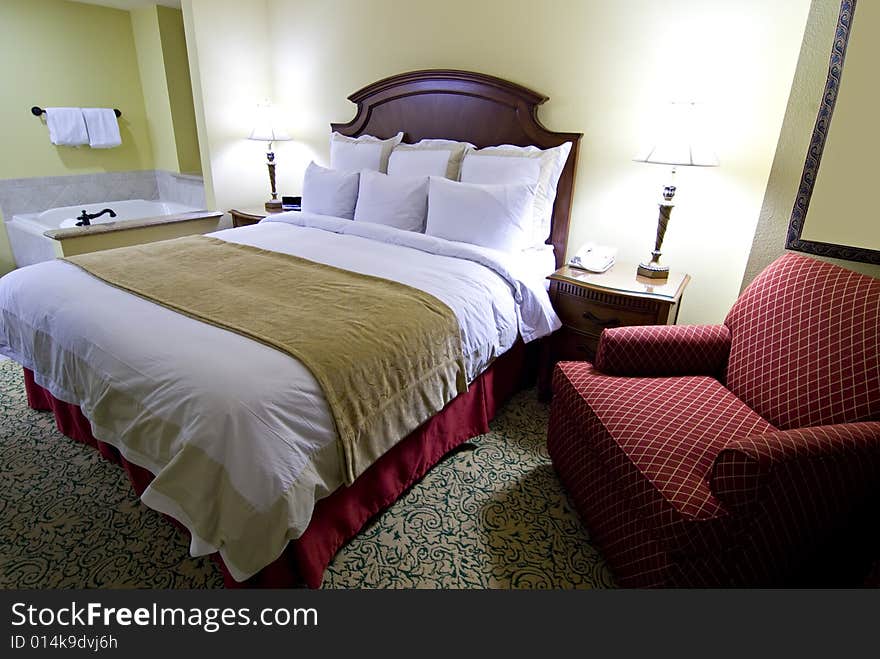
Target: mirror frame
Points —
{"points": [[814, 154]]}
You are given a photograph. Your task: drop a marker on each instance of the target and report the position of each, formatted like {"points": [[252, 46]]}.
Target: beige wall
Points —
{"points": [[228, 46], [794, 138], [606, 67]]}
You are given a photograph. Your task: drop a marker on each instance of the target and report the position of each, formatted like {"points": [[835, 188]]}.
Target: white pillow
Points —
{"points": [[411, 159], [418, 163], [495, 216], [353, 154], [397, 201], [329, 192], [500, 169], [551, 162]]}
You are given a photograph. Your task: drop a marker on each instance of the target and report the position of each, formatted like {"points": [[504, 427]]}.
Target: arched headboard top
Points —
{"points": [[468, 107], [433, 80]]}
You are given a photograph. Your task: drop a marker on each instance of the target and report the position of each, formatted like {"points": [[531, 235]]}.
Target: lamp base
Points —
{"points": [[653, 270], [273, 206]]}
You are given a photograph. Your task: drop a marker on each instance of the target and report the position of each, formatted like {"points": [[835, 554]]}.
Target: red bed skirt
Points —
{"points": [[340, 516]]}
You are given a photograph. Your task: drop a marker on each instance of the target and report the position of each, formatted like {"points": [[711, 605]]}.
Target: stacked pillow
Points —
{"points": [[353, 154], [522, 164], [495, 216], [499, 197], [428, 158], [397, 201], [330, 191]]}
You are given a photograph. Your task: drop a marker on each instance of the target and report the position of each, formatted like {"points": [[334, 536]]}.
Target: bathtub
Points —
{"points": [[27, 231]]}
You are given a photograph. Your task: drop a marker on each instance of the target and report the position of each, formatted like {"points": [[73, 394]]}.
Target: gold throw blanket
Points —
{"points": [[387, 356]]}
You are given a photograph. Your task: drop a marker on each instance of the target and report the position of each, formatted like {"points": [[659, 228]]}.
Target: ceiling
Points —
{"points": [[132, 4]]}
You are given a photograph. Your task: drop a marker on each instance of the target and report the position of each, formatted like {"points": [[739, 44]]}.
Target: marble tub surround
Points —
{"points": [[23, 196], [36, 237], [36, 194], [187, 189]]}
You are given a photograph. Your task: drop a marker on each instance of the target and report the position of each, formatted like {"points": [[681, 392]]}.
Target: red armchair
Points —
{"points": [[741, 454]]}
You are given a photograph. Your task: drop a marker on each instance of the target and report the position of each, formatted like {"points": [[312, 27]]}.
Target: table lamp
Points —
{"points": [[267, 129], [677, 143]]}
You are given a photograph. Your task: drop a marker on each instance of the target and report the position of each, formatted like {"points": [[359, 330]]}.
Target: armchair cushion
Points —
{"points": [[664, 350]]}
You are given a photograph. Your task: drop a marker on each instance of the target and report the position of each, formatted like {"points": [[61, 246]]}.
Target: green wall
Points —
{"points": [[164, 73], [180, 93], [151, 66], [58, 53]]}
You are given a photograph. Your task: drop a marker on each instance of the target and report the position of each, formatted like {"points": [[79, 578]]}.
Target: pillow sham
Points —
{"points": [[353, 154], [329, 191], [495, 216], [550, 161], [410, 159], [418, 163], [500, 169], [397, 201]]}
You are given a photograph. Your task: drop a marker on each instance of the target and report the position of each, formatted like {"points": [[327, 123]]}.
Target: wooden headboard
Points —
{"points": [[469, 107]]}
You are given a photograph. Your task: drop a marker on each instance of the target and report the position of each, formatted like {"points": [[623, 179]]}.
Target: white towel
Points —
{"points": [[103, 128], [67, 126]]}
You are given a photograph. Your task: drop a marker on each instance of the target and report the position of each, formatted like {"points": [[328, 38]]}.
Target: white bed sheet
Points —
{"points": [[81, 336], [540, 263]]}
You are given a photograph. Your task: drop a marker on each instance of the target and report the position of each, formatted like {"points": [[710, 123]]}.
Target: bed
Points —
{"points": [[219, 387]]}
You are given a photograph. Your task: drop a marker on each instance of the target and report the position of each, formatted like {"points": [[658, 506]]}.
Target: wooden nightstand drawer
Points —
{"points": [[571, 345], [592, 317]]}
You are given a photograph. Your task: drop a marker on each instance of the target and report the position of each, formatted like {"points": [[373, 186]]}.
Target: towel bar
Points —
{"points": [[37, 111]]}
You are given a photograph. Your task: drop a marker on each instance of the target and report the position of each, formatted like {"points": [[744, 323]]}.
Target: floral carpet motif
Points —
{"points": [[490, 515]]}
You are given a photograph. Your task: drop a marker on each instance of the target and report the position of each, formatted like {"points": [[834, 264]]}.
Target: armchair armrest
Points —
{"points": [[664, 350], [825, 458]]}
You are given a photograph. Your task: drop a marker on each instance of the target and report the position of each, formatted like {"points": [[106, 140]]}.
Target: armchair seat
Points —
{"points": [[658, 436], [740, 454]]}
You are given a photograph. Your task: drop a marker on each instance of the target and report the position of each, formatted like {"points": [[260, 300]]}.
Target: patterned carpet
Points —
{"points": [[491, 515]]}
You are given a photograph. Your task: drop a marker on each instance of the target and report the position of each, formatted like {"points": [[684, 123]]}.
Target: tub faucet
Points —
{"points": [[86, 218]]}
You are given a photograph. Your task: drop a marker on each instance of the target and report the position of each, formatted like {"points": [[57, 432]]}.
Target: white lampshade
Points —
{"points": [[267, 126], [679, 139]]}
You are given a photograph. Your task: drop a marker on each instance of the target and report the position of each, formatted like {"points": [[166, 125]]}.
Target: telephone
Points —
{"points": [[592, 257]]}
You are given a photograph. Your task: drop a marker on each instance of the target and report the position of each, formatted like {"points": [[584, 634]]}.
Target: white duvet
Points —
{"points": [[256, 410]]}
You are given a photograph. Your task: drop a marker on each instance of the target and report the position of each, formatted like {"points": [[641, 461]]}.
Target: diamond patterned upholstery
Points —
{"points": [[655, 350], [683, 481], [804, 348], [672, 445], [745, 465]]}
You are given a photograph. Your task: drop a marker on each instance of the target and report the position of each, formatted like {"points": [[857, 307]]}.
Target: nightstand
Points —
{"points": [[588, 303], [244, 217]]}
